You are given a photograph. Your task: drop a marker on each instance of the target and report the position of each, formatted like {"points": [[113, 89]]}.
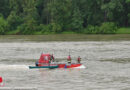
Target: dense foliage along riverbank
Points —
{"points": [[64, 16]]}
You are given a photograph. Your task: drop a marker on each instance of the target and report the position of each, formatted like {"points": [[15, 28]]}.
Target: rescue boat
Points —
{"points": [[44, 62]]}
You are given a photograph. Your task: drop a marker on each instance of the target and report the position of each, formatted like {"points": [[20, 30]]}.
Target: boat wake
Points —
{"points": [[82, 66], [22, 67], [13, 67]]}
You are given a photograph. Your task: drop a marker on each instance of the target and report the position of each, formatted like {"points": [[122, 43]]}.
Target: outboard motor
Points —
{"points": [[36, 63]]}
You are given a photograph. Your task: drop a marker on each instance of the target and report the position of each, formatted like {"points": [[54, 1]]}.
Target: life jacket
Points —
{"points": [[69, 58], [79, 59]]}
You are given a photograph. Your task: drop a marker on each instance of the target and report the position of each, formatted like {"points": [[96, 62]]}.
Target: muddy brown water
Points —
{"points": [[106, 57]]}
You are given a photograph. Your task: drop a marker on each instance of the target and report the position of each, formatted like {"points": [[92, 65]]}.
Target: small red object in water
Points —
{"points": [[1, 80]]}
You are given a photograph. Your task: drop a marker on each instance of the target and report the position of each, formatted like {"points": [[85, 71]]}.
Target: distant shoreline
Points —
{"points": [[122, 30], [65, 37]]}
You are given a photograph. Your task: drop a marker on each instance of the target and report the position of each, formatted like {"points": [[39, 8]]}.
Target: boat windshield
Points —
{"points": [[46, 58]]}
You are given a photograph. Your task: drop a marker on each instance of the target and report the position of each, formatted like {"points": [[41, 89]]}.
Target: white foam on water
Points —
{"points": [[13, 67], [18, 88], [82, 66]]}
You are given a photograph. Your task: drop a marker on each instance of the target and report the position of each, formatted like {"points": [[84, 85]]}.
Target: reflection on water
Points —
{"points": [[106, 57]]}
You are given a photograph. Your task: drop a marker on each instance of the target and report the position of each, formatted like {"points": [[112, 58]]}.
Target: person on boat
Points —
{"points": [[69, 59], [78, 59], [52, 58], [36, 63]]}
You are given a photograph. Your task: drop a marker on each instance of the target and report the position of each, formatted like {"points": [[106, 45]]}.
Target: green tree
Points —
{"points": [[127, 11], [77, 20], [14, 20], [93, 11], [3, 25], [55, 16], [4, 8], [30, 17], [61, 13], [16, 6]]}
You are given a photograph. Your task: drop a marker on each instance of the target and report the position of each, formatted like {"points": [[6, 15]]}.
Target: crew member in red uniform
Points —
{"points": [[69, 59], [78, 59]]}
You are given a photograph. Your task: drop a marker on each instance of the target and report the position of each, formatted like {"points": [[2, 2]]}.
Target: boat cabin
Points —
{"points": [[44, 58]]}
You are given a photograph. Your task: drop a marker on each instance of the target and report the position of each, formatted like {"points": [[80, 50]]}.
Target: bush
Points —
{"points": [[123, 30], [56, 28], [28, 28], [44, 28], [91, 29], [50, 28], [3, 25], [107, 28], [21, 29]]}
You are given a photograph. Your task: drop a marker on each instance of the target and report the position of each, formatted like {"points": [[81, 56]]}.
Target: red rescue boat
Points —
{"points": [[47, 61]]}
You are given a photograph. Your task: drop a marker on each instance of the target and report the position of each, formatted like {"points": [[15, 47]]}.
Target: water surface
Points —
{"points": [[106, 57]]}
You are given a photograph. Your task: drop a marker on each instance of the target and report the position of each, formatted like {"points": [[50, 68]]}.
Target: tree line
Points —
{"points": [[57, 16]]}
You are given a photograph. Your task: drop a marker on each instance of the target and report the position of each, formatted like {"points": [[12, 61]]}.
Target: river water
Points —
{"points": [[106, 57]]}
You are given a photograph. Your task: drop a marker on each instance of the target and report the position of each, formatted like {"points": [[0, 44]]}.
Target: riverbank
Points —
{"points": [[122, 30], [64, 37]]}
